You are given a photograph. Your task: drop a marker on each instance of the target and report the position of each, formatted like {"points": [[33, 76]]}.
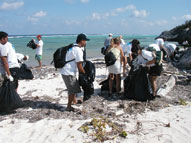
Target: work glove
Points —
{"points": [[10, 78]]}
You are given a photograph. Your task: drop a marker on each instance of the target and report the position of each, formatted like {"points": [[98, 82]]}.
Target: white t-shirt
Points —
{"points": [[39, 49], [11, 56], [127, 49], [155, 46], [71, 67], [170, 48], [145, 57], [3, 52]]}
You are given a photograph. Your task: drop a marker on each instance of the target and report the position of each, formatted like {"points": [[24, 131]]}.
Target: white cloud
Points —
{"points": [[161, 22], [115, 12], [11, 5], [140, 14], [84, 1], [71, 22], [174, 18], [40, 14], [186, 17], [35, 17], [32, 19]]}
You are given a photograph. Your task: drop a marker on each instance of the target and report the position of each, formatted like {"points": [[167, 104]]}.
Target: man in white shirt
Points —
{"points": [[70, 70], [4, 67], [171, 48], [14, 66], [39, 49]]}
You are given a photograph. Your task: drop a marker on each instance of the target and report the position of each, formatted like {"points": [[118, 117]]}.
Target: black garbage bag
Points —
{"points": [[31, 44], [105, 85], [9, 98], [88, 91], [137, 85], [86, 80], [25, 72]]}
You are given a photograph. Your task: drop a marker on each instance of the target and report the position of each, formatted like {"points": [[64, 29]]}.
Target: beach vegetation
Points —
{"points": [[103, 129], [182, 102]]}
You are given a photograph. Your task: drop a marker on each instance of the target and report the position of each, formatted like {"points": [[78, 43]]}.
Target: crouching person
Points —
{"points": [[154, 62], [69, 71]]}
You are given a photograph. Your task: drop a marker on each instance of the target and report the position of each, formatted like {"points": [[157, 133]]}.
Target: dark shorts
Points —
{"points": [[155, 70], [72, 84], [15, 72]]}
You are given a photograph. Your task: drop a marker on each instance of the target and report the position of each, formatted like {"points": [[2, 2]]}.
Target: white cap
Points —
{"points": [[160, 41], [110, 34]]}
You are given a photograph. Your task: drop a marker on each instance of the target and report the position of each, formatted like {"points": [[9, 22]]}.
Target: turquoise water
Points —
{"points": [[52, 42]]}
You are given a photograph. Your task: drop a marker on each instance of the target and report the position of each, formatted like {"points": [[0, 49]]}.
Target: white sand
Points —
{"points": [[169, 125]]}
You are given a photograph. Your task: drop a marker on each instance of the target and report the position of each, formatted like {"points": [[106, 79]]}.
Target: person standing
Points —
{"points": [[70, 70], [39, 50], [4, 67], [107, 42], [115, 69], [13, 63]]}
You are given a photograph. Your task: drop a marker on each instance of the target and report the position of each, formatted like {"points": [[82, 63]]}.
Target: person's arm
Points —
{"points": [[80, 68], [123, 60], [5, 64], [151, 62]]}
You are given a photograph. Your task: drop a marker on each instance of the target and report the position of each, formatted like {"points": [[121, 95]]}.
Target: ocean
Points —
{"points": [[52, 42]]}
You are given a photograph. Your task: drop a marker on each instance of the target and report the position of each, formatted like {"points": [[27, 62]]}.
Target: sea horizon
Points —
{"points": [[54, 41]]}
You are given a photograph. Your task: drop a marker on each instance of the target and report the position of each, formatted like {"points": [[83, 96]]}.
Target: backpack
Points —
{"points": [[111, 57], [59, 56], [32, 44]]}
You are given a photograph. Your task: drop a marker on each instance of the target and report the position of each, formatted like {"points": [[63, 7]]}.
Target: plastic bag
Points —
{"points": [[9, 98]]}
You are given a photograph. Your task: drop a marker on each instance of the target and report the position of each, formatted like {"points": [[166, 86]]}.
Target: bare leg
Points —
{"points": [[118, 83], [153, 84], [74, 100], [40, 63], [111, 78], [70, 99]]}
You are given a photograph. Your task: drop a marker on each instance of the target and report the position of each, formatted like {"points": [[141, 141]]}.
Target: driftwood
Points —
{"points": [[167, 86]]}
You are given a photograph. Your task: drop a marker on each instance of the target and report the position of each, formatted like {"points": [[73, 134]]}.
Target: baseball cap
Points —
{"points": [[81, 37], [110, 34], [38, 36]]}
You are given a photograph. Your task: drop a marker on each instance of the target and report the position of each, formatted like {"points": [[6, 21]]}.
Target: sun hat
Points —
{"points": [[160, 41]]}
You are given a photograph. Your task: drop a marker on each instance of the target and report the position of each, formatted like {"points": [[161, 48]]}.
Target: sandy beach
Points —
{"points": [[43, 119]]}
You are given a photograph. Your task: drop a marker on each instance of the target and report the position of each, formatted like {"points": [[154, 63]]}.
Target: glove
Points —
{"points": [[10, 78]]}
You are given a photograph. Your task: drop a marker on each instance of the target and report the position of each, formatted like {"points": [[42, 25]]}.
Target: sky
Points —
{"points": [[129, 17]]}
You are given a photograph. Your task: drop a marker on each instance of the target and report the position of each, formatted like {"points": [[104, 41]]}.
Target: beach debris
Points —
{"points": [[167, 86], [123, 134], [182, 102], [102, 129], [167, 125]]}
